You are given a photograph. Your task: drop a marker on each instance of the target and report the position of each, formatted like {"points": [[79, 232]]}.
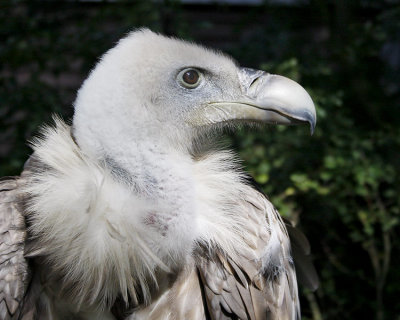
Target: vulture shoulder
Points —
{"points": [[257, 284], [14, 271]]}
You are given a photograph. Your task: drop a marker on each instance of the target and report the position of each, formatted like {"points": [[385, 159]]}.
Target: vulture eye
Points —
{"points": [[189, 78]]}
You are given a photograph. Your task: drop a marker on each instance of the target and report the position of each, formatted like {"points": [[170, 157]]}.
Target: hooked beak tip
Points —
{"points": [[311, 119]]}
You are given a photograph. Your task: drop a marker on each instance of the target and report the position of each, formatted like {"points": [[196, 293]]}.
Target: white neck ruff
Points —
{"points": [[104, 240]]}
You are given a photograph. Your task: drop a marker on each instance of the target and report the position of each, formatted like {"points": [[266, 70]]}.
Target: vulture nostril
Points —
{"points": [[249, 78], [254, 81]]}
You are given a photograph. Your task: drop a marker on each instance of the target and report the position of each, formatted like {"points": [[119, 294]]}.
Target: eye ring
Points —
{"points": [[190, 78]]}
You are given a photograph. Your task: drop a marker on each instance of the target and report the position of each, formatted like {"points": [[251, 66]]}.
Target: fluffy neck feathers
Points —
{"points": [[106, 238]]}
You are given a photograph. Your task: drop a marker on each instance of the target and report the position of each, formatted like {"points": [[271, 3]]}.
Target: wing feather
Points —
{"points": [[306, 273], [14, 271], [301, 251], [258, 284]]}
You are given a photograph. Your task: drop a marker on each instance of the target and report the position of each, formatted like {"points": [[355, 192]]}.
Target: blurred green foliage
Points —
{"points": [[341, 185]]}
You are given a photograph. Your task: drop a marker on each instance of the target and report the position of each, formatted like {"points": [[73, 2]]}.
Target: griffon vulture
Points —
{"points": [[130, 214]]}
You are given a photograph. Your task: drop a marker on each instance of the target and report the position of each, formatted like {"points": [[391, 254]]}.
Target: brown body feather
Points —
{"points": [[212, 285]]}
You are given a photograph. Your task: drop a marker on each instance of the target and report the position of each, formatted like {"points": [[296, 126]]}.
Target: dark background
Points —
{"points": [[341, 185]]}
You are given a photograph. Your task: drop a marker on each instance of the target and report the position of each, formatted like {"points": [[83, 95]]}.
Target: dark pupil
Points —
{"points": [[191, 77]]}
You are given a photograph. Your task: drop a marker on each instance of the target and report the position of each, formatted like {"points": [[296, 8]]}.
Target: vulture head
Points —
{"points": [[164, 92]]}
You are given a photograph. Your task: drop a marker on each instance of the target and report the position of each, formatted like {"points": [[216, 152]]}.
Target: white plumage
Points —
{"points": [[130, 212]]}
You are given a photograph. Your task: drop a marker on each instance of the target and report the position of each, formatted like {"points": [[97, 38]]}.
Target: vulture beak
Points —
{"points": [[280, 100], [267, 98]]}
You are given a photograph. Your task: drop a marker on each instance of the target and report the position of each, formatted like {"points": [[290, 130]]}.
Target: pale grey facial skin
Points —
{"points": [[257, 96]]}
